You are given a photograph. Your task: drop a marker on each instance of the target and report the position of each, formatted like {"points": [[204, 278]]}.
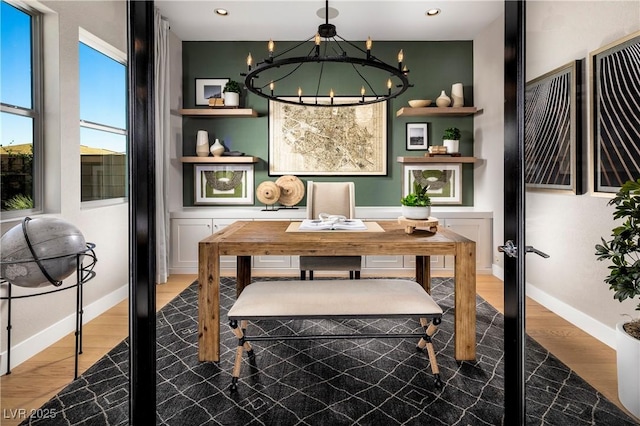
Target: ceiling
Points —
{"points": [[253, 20]]}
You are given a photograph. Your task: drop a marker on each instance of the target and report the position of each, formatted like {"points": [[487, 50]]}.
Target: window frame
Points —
{"points": [[96, 43], [35, 112]]}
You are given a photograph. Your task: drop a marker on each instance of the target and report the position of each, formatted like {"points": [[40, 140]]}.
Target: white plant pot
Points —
{"points": [[231, 99], [415, 212], [452, 145], [628, 356]]}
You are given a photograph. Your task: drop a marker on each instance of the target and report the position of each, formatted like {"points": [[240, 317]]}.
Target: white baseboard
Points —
{"points": [[589, 325], [40, 341]]}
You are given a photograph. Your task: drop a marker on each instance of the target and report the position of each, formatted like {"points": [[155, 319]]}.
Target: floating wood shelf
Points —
{"points": [[437, 159], [219, 112], [221, 160], [437, 112]]}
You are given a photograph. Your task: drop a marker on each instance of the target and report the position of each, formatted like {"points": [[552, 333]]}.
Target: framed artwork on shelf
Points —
{"points": [[310, 140], [209, 88], [417, 136], [223, 184], [444, 180], [615, 96], [553, 122]]}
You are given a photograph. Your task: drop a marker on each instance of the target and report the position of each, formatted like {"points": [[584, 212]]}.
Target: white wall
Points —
{"points": [[567, 227], [488, 86], [40, 321]]}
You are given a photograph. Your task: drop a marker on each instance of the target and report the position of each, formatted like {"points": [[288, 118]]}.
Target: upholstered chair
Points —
{"points": [[335, 198]]}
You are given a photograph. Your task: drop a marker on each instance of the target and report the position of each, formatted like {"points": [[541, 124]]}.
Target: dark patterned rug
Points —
{"points": [[331, 382]]}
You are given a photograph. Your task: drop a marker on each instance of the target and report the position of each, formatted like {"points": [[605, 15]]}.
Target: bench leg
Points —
{"points": [[243, 345], [430, 329]]}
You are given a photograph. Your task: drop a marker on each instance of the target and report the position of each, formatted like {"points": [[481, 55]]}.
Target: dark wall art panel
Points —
{"points": [[616, 113], [553, 130]]}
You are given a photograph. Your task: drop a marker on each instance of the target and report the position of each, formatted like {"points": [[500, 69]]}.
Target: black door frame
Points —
{"points": [[142, 316], [142, 239], [514, 213]]}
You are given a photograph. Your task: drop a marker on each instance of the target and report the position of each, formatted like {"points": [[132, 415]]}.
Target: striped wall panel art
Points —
{"points": [[553, 130], [616, 113]]}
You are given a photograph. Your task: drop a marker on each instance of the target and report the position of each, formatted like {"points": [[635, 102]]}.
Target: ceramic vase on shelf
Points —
{"points": [[457, 95], [202, 143], [217, 148], [443, 100]]}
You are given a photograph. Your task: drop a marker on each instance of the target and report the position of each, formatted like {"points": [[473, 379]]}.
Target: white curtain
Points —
{"points": [[162, 129]]}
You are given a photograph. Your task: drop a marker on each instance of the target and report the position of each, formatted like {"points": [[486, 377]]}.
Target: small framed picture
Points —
{"points": [[208, 88], [417, 137], [223, 184]]}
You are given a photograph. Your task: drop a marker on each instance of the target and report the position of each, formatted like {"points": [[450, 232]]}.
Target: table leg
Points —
{"points": [[208, 302], [243, 273], [423, 272], [465, 301]]}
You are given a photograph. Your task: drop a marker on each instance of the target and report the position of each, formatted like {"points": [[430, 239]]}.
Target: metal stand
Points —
{"points": [[84, 273]]}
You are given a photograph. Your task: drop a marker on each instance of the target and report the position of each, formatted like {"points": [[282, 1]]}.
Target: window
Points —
{"points": [[103, 120], [20, 110]]}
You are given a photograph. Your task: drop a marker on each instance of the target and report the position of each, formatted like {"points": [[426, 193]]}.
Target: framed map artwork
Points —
{"points": [[308, 140], [223, 184], [444, 180]]}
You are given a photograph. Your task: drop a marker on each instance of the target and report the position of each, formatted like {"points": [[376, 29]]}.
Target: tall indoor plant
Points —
{"points": [[623, 250]]}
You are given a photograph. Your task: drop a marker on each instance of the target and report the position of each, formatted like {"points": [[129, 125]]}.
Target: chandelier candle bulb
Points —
{"points": [[271, 86], [362, 93], [271, 45], [368, 44], [331, 95], [400, 59], [249, 61]]}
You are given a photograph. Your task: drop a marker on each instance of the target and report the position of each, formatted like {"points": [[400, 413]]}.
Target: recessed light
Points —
{"points": [[222, 12], [432, 12], [322, 13]]}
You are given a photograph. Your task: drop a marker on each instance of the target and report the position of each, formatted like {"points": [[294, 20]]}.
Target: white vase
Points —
{"points": [[452, 145], [443, 100], [628, 354], [416, 212], [202, 143], [217, 148], [457, 95], [231, 99]]}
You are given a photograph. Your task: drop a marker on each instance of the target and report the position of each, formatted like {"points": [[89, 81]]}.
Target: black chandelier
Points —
{"points": [[278, 70]]}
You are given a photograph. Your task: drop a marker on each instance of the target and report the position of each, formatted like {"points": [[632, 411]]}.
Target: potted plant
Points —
{"points": [[451, 139], [623, 250], [232, 92], [417, 204]]}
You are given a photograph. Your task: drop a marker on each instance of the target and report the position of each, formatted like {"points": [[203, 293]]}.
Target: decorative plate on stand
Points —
{"points": [[291, 190], [268, 193]]}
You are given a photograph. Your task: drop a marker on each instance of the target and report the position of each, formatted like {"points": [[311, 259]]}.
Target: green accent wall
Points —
{"points": [[434, 66]]}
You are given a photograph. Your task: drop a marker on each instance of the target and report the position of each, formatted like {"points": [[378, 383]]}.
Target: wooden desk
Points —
{"points": [[253, 238]]}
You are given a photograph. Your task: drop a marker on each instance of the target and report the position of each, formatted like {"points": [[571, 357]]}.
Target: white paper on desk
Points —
{"points": [[319, 225]]}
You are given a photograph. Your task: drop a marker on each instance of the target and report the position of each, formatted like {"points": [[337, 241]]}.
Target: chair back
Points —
{"points": [[331, 197]]}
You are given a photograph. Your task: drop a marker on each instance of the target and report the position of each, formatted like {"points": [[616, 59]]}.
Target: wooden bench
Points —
{"points": [[334, 299]]}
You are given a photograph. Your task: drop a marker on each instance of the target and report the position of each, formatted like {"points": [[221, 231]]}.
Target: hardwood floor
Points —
{"points": [[36, 380]]}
